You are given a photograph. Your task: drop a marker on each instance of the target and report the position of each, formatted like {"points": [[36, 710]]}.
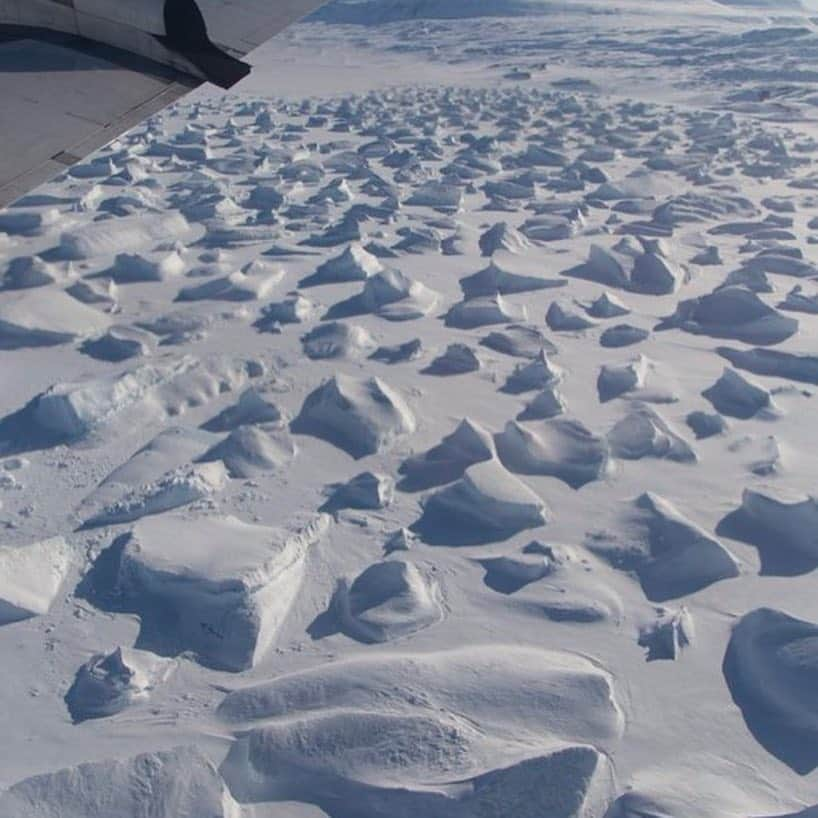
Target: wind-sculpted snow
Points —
{"points": [[671, 555], [213, 585], [354, 264], [171, 782], [783, 530], [252, 450], [560, 448], [637, 379], [643, 433], [175, 489], [643, 267], [467, 445], [483, 311], [106, 685], [529, 377], [734, 395], [548, 714], [387, 601], [72, 411], [773, 362], [31, 577], [131, 233], [359, 416], [519, 341], [732, 312], [389, 294], [769, 667], [487, 504], [338, 340], [494, 279], [45, 317], [412, 410]]}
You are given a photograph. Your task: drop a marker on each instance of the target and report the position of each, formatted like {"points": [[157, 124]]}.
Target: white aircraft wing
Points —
{"points": [[74, 74]]}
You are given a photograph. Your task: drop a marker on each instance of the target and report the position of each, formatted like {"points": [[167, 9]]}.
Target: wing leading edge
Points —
{"points": [[74, 74]]}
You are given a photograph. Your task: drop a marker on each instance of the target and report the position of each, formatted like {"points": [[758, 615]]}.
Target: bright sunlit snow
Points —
{"points": [[425, 428]]}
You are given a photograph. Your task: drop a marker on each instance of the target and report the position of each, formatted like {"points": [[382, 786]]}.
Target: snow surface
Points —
{"points": [[425, 428]]}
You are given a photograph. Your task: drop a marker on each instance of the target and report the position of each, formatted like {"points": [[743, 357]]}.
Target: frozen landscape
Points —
{"points": [[427, 427]]}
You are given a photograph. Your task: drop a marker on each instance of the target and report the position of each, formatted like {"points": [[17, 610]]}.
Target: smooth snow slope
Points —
{"points": [[426, 428]]}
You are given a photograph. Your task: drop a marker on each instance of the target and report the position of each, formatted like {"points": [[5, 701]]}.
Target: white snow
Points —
{"points": [[31, 577], [360, 416], [226, 585], [45, 317], [425, 428]]}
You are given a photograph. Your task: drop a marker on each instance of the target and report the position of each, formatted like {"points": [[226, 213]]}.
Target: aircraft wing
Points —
{"points": [[74, 74]]}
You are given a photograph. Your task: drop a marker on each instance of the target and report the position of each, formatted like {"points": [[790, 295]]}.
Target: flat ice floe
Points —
{"points": [[46, 317], [607, 305], [132, 268], [545, 405], [366, 490], [561, 318], [103, 293], [174, 448], [398, 353], [667, 789], [28, 222], [503, 237], [31, 271], [31, 577], [623, 335], [128, 234], [238, 286], [293, 309], [177, 327], [213, 585], [253, 406], [456, 359], [507, 575], [119, 344], [438, 196], [519, 341]]}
